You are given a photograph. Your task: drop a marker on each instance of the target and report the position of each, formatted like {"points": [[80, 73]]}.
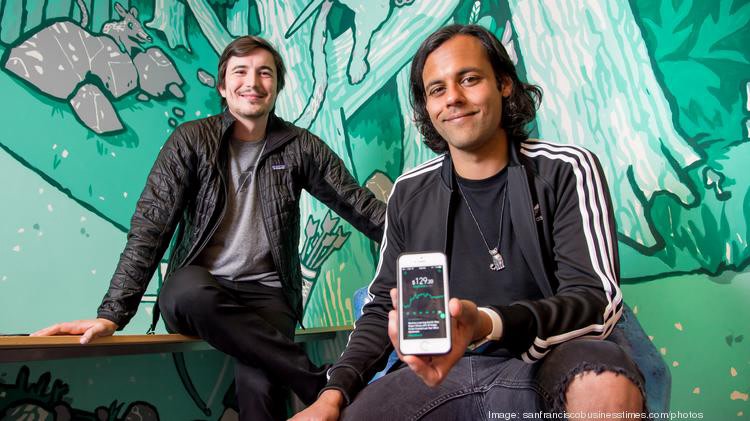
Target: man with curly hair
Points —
{"points": [[529, 232]]}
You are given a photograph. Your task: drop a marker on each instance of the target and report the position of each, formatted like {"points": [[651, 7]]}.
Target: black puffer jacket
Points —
{"points": [[186, 189]]}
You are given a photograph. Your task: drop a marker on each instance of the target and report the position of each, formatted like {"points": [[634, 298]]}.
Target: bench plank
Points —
{"points": [[26, 348], [34, 348]]}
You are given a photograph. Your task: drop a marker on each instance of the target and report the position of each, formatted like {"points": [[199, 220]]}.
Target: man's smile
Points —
{"points": [[459, 117], [251, 95]]}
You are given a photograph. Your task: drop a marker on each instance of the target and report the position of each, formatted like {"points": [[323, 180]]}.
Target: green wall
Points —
{"points": [[657, 89]]}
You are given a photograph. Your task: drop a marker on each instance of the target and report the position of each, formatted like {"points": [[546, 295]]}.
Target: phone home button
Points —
{"points": [[424, 346]]}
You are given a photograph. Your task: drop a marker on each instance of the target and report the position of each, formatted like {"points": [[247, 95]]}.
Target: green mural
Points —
{"points": [[657, 89], [116, 389]]}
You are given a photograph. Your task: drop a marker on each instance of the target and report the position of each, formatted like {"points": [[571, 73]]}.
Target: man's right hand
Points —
{"points": [[326, 408], [88, 329]]}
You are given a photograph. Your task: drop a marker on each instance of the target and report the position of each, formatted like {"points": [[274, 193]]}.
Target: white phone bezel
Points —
{"points": [[423, 346]]}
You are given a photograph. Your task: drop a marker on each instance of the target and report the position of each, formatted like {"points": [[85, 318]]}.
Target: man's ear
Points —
{"points": [[507, 87]]}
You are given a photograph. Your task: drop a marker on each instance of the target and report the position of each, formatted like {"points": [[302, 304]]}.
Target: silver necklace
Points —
{"points": [[498, 263]]}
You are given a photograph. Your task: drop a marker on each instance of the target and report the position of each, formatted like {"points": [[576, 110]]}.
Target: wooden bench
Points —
{"points": [[27, 348]]}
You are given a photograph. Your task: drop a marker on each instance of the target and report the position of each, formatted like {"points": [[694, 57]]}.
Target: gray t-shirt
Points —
{"points": [[239, 250]]}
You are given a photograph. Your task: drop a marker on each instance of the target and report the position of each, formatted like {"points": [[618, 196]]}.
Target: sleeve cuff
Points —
{"points": [[519, 327], [112, 318], [346, 380]]}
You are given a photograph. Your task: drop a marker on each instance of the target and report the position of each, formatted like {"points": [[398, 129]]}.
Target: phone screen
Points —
{"points": [[423, 304]]}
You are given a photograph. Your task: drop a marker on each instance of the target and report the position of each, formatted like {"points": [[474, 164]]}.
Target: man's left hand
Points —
{"points": [[467, 324]]}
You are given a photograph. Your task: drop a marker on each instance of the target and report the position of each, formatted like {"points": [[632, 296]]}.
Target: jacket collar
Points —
{"points": [[278, 131], [447, 170]]}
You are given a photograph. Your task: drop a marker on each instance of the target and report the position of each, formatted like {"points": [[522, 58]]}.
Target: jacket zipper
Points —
{"points": [[544, 283], [263, 212], [263, 206], [197, 250], [447, 222]]}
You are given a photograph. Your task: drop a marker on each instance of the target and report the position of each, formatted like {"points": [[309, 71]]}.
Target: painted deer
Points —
{"points": [[128, 31]]}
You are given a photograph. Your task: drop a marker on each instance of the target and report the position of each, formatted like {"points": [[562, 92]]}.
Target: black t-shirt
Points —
{"points": [[470, 275]]}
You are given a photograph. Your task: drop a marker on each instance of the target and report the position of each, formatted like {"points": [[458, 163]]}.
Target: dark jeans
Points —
{"points": [[479, 385], [252, 323]]}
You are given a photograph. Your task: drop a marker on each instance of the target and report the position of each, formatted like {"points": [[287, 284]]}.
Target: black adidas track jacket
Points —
{"points": [[563, 219]]}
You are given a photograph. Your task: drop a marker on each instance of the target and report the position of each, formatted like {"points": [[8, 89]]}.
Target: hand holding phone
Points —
{"points": [[433, 341], [466, 326]]}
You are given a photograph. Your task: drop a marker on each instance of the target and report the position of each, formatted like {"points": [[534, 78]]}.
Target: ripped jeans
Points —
{"points": [[488, 387]]}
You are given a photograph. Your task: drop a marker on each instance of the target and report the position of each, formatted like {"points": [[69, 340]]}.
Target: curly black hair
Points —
{"points": [[517, 110]]}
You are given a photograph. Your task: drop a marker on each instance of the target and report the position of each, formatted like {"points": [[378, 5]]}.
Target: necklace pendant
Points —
{"points": [[497, 260]]}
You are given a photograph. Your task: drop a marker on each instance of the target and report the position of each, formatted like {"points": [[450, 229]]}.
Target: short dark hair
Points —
{"points": [[518, 109], [243, 46]]}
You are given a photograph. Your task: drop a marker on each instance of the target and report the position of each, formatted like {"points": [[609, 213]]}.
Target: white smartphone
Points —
{"points": [[424, 319]]}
